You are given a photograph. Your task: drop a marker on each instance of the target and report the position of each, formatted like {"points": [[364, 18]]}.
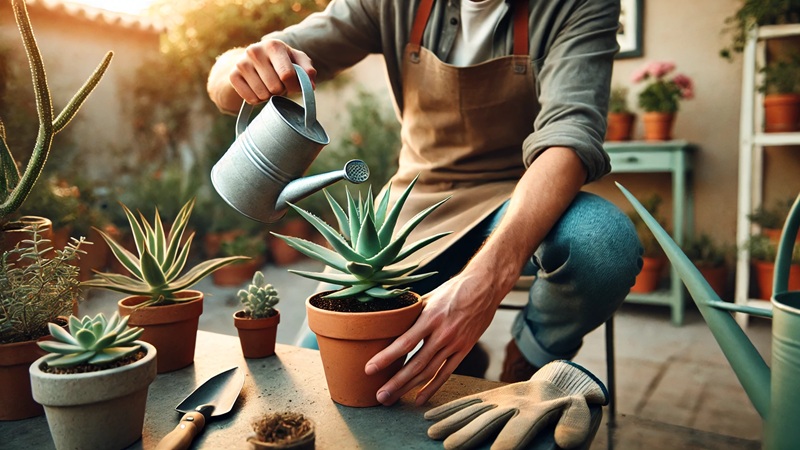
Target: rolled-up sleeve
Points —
{"points": [[573, 81]]}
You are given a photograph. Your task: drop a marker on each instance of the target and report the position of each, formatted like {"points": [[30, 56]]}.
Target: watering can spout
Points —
{"points": [[747, 363], [354, 171]]}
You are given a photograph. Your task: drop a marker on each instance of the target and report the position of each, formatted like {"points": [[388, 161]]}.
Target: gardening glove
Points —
{"points": [[560, 391]]}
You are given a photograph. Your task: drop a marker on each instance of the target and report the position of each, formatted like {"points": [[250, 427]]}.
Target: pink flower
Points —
{"points": [[639, 76], [682, 81], [660, 68]]}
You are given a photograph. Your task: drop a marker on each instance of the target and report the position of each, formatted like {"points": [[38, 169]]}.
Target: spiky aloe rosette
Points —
{"points": [[91, 340], [365, 247], [162, 257]]}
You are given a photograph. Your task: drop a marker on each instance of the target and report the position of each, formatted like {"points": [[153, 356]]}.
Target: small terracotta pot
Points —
{"points": [[781, 113], [658, 126], [280, 252], [648, 278], [717, 277], [103, 409], [14, 233], [774, 235], [172, 329], [257, 336], [16, 401], [348, 340], [765, 273], [237, 273], [212, 242], [620, 126], [61, 237]]}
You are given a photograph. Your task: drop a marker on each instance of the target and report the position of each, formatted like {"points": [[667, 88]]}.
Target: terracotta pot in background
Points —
{"points": [[212, 242], [14, 232], [774, 235], [280, 252], [620, 126], [172, 329], [257, 336], [237, 273], [16, 400], [61, 237], [658, 126], [96, 257], [781, 113], [765, 273], [717, 278], [348, 340], [650, 276]]}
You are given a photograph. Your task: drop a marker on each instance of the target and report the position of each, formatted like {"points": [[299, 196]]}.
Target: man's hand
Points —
{"points": [[256, 73], [455, 316]]}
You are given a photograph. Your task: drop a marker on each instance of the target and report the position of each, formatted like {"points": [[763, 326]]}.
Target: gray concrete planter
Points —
{"points": [[95, 410]]}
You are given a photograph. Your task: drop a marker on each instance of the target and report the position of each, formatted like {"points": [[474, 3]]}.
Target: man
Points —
{"points": [[502, 105]]}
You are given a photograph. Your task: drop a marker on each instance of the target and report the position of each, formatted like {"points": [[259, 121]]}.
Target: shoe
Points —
{"points": [[475, 363], [515, 367]]}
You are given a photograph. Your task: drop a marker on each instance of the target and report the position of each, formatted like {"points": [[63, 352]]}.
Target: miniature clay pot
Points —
{"points": [[172, 329], [257, 336], [650, 275], [781, 113], [619, 127], [97, 410], [237, 273], [16, 401], [658, 126], [348, 340], [765, 276]]}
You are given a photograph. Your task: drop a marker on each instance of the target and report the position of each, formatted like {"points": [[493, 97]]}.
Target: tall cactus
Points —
{"points": [[15, 187]]}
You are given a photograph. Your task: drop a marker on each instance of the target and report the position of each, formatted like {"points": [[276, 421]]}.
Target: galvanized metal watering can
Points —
{"points": [[263, 168], [774, 393]]}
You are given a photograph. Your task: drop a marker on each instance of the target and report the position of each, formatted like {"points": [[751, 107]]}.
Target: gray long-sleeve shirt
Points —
{"points": [[572, 48]]}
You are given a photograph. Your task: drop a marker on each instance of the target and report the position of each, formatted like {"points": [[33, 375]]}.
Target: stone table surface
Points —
{"points": [[292, 380]]}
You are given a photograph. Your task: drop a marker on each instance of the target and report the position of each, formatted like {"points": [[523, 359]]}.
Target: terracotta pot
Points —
{"points": [[765, 273], [658, 126], [620, 126], [717, 277], [172, 329], [103, 409], [237, 273], [280, 252], [16, 401], [649, 277], [257, 336], [61, 237], [781, 113], [14, 232], [212, 242], [348, 340], [774, 235]]}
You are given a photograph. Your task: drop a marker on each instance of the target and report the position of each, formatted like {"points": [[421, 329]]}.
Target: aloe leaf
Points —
{"points": [[136, 229], [336, 240], [368, 244], [176, 232], [315, 251], [385, 233], [126, 258], [341, 217], [393, 273], [349, 292], [59, 347], [406, 279], [361, 271], [352, 213], [379, 292], [159, 246], [389, 253], [104, 280], [200, 271], [409, 250], [149, 233], [342, 279], [151, 270], [380, 211], [70, 360], [180, 262]]}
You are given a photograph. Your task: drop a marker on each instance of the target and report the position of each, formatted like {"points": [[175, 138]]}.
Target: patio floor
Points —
{"points": [[675, 389]]}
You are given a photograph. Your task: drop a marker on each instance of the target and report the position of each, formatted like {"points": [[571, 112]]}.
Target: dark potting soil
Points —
{"points": [[85, 368], [281, 428], [352, 304]]}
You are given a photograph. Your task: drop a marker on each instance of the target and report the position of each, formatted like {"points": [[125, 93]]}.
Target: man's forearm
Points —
{"points": [[542, 195], [219, 85]]}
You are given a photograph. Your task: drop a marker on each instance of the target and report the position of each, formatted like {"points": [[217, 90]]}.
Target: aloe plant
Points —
{"points": [[259, 299], [156, 272], [15, 186], [91, 340], [366, 247]]}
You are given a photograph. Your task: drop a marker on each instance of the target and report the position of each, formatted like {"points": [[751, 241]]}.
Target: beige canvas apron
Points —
{"points": [[462, 132]]}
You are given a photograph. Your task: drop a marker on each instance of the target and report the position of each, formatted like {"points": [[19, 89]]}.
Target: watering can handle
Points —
{"points": [[784, 259], [309, 104]]}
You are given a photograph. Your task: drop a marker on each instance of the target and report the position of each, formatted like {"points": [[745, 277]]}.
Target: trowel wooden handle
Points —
{"points": [[181, 437]]}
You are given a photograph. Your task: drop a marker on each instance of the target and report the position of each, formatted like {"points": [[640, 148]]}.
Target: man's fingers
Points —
{"points": [[302, 60], [396, 350], [418, 371], [242, 87], [438, 380]]}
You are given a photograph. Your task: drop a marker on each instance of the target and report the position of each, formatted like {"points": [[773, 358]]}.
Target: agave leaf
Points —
{"points": [[122, 254], [336, 240], [349, 292], [136, 229], [368, 244], [160, 246], [111, 354], [380, 211], [149, 234], [176, 235], [180, 262], [70, 360], [341, 217], [118, 283], [352, 213], [389, 253], [315, 251], [379, 292], [385, 233], [342, 279], [151, 270], [361, 271], [59, 347], [409, 250], [406, 279], [200, 271], [394, 273]]}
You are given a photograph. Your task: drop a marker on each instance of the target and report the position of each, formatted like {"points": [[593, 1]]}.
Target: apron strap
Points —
{"points": [[420, 21]]}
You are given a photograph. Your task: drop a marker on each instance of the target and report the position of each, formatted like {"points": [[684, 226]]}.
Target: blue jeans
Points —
{"points": [[584, 269]]}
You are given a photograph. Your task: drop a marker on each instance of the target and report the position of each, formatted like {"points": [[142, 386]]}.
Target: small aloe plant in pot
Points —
{"points": [[257, 323], [158, 286], [94, 383], [350, 325]]}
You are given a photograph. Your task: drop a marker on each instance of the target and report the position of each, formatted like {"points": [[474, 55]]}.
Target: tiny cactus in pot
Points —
{"points": [[257, 323]]}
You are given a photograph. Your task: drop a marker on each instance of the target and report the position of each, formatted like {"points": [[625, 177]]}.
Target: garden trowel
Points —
{"points": [[213, 398]]}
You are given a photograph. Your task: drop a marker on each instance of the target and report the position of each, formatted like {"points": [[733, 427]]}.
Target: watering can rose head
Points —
{"points": [[91, 340], [157, 271], [365, 246]]}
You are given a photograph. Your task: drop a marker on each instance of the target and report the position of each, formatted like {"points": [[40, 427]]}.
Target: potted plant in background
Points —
{"points": [[711, 260], [356, 322], [620, 117], [758, 13], [660, 98], [57, 200], [770, 219], [38, 289], [257, 323], [252, 246], [781, 86], [159, 299], [653, 259], [93, 383], [763, 251]]}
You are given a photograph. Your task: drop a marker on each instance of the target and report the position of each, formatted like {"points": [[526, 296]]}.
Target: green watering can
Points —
{"points": [[775, 394]]}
